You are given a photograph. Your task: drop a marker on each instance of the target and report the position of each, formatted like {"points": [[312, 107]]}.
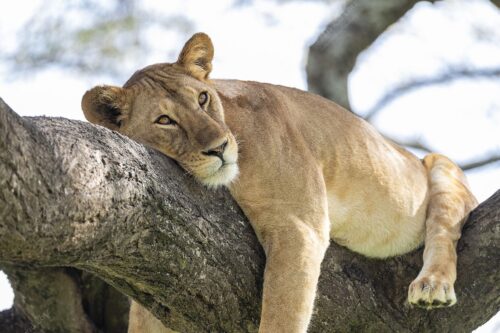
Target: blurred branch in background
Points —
{"points": [[419, 144], [333, 55], [451, 75], [447, 77], [90, 36], [480, 162]]}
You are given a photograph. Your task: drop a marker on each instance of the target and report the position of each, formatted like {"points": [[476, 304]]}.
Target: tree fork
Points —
{"points": [[77, 195]]}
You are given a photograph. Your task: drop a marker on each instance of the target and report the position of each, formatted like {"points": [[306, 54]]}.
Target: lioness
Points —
{"points": [[303, 170]]}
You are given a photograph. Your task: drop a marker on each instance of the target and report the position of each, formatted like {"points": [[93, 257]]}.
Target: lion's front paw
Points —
{"points": [[431, 292]]}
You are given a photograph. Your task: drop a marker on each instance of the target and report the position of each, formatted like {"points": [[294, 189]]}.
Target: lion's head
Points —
{"points": [[175, 109]]}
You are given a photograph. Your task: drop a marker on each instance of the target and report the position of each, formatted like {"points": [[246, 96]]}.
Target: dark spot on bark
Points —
{"points": [[356, 273], [167, 310]]}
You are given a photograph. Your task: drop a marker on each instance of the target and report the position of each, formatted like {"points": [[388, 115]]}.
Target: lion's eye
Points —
{"points": [[203, 98], [165, 120]]}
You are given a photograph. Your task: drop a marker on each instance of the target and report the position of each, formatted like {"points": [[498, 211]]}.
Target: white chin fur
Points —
{"points": [[224, 176]]}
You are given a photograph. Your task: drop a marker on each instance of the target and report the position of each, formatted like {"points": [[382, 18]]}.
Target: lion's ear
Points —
{"points": [[105, 106], [196, 56]]}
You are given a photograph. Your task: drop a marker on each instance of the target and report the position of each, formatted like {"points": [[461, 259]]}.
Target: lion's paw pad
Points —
{"points": [[429, 292]]}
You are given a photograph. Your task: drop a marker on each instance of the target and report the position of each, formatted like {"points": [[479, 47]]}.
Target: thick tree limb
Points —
{"points": [[333, 56], [73, 194], [127, 199]]}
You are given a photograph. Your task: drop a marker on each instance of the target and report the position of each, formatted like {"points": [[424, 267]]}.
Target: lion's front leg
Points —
{"points": [[294, 253], [288, 209], [449, 204]]}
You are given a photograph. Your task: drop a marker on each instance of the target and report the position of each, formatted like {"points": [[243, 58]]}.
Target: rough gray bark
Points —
{"points": [[333, 55], [76, 195], [13, 321]]}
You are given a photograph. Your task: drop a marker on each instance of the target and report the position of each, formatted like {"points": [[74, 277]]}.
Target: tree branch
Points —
{"points": [[333, 56], [420, 145], [74, 194], [480, 162], [451, 75]]}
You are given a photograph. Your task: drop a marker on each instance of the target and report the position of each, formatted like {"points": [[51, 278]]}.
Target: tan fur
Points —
{"points": [[141, 320], [309, 171]]}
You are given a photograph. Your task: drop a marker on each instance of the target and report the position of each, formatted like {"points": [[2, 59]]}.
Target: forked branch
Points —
{"points": [[77, 195]]}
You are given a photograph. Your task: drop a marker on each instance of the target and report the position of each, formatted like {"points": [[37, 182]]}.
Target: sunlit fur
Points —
{"points": [[304, 171]]}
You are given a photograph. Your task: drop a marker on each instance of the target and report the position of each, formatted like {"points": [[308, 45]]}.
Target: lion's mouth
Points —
{"points": [[223, 175], [223, 167], [214, 171]]}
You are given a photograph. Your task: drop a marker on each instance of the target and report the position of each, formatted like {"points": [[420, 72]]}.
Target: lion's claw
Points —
{"points": [[430, 292]]}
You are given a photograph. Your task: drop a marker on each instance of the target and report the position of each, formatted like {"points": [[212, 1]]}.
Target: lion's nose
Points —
{"points": [[217, 151]]}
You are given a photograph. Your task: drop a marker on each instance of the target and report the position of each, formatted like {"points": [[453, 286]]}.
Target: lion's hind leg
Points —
{"points": [[140, 320], [449, 205]]}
